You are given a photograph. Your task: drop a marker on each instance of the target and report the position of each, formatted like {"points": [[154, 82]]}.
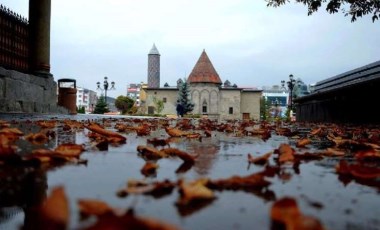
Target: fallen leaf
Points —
{"points": [[149, 169], [194, 191], [260, 160], [303, 142]]}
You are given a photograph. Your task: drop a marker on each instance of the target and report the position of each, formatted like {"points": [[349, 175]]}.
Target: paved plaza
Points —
{"points": [[188, 173]]}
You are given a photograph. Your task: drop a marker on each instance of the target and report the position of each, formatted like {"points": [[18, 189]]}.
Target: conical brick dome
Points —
{"points": [[204, 71]]}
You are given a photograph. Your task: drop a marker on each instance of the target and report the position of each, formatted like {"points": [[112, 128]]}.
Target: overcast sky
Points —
{"points": [[248, 43]]}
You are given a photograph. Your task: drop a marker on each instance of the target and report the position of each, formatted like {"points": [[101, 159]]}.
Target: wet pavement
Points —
{"points": [[320, 192]]}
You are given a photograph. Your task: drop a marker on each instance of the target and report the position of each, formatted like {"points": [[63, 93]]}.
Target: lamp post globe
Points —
{"points": [[105, 87]]}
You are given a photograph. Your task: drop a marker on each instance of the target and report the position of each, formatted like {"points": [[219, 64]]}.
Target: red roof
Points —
{"points": [[204, 71]]}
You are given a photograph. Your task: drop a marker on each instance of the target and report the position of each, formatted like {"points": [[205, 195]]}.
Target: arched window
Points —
{"points": [[204, 107]]}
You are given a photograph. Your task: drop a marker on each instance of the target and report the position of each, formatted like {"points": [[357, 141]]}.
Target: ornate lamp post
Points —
{"points": [[105, 87], [276, 103], [291, 83]]}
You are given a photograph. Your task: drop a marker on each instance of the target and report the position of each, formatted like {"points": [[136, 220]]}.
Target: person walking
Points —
{"points": [[179, 109]]}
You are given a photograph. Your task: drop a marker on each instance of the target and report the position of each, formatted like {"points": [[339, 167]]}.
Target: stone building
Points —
{"points": [[209, 95]]}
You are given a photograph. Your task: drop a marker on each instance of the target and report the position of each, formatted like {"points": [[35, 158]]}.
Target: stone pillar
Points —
{"points": [[39, 24]]}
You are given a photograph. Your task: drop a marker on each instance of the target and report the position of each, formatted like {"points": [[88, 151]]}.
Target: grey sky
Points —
{"points": [[249, 44]]}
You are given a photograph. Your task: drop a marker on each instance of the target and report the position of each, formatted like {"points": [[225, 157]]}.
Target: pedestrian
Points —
{"points": [[179, 109]]}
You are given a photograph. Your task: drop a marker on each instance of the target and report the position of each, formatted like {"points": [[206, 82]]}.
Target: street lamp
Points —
{"points": [[105, 87], [291, 83]]}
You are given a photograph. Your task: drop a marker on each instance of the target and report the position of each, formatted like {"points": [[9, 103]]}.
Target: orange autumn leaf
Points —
{"points": [[12, 134], [286, 153], [357, 170], [53, 213], [173, 132], [286, 212], [316, 131], [143, 130], [108, 133], [4, 124], [14, 131], [36, 138], [6, 147], [158, 142], [194, 191], [149, 169], [364, 172], [181, 154], [93, 207], [116, 140], [193, 135], [250, 182], [333, 152], [47, 124], [150, 152], [56, 207], [261, 160], [69, 150], [306, 223], [303, 142], [370, 154], [156, 189]]}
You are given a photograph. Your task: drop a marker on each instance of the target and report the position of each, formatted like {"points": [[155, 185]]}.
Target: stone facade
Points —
{"points": [[168, 95], [205, 97], [250, 103], [27, 93]]}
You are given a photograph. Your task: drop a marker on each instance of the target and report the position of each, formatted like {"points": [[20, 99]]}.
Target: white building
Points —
{"points": [[86, 98], [133, 91], [278, 98]]}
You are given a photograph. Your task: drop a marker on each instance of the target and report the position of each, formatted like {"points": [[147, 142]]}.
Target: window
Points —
{"points": [[231, 110], [164, 99], [204, 107], [150, 109]]}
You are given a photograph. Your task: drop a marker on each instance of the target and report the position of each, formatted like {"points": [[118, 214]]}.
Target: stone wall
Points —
{"points": [[230, 98], [170, 95], [250, 103], [27, 93]]}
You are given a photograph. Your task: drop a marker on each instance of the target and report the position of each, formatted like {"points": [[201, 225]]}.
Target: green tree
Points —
{"points": [[101, 106], [184, 97], [353, 8], [81, 109], [159, 105], [124, 103], [264, 109]]}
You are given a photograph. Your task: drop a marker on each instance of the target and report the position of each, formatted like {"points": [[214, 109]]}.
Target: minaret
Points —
{"points": [[154, 68]]}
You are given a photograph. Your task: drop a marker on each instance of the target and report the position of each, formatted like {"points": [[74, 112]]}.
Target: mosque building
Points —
{"points": [[210, 96]]}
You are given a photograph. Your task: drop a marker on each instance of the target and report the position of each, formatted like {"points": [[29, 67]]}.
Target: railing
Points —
{"points": [[14, 40]]}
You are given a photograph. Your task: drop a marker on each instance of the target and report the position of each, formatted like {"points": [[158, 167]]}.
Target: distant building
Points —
{"points": [[278, 98], [133, 91], [86, 98]]}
